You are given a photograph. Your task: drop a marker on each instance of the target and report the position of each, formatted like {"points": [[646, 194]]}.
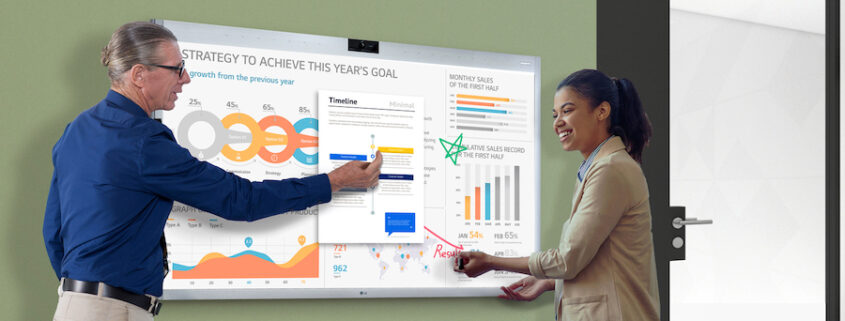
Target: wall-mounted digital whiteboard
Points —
{"points": [[256, 105]]}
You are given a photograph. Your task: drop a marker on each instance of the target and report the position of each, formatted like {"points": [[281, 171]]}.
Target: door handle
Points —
{"points": [[678, 223]]}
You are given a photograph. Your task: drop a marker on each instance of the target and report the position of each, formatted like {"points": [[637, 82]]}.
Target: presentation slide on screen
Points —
{"points": [[458, 173], [355, 126]]}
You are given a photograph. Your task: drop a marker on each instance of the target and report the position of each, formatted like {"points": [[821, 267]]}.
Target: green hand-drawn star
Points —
{"points": [[454, 148]]}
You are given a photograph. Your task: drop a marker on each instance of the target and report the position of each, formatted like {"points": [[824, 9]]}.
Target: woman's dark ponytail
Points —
{"points": [[629, 120], [627, 117]]}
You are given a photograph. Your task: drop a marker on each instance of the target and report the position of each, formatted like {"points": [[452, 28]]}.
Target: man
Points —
{"points": [[117, 173]]}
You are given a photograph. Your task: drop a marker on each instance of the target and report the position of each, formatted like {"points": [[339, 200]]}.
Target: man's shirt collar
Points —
{"points": [[119, 101]]}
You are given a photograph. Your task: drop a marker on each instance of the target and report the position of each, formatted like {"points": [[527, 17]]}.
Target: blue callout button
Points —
{"points": [[399, 222]]}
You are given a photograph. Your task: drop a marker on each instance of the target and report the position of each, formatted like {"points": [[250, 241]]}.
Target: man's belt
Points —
{"points": [[148, 303]]}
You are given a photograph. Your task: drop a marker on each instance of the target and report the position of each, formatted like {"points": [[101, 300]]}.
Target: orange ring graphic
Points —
{"points": [[257, 137], [275, 139]]}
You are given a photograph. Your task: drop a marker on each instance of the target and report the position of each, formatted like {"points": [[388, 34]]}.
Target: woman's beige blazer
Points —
{"points": [[604, 265]]}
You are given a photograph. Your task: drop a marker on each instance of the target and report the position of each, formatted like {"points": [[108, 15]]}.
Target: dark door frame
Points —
{"points": [[633, 42], [832, 158]]}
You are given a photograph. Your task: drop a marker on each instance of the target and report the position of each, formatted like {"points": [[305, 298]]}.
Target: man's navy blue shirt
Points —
{"points": [[116, 175]]}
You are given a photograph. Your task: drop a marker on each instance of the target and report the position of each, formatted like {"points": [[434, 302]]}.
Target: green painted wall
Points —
{"points": [[50, 71]]}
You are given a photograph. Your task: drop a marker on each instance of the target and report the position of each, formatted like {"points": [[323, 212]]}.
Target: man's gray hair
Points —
{"points": [[131, 44]]}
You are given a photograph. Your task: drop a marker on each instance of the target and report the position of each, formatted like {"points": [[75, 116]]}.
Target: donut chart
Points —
{"points": [[257, 136], [299, 126]]}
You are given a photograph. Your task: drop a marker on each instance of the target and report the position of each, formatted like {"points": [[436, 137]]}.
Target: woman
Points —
{"points": [[604, 266]]}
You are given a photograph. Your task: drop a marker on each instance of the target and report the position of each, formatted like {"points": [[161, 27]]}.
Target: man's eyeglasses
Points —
{"points": [[179, 69]]}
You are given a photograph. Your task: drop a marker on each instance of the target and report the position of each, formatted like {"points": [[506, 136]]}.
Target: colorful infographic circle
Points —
{"points": [[254, 144], [257, 137], [286, 153], [301, 125], [196, 117]]}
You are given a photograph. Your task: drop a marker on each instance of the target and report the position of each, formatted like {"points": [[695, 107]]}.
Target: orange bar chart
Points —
{"points": [[475, 103], [478, 203], [466, 207], [483, 97]]}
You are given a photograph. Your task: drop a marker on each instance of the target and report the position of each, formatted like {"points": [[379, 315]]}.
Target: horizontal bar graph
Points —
{"points": [[485, 114], [482, 110], [475, 103], [483, 97]]}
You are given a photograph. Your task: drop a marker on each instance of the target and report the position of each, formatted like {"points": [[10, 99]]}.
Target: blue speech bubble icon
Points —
{"points": [[398, 222], [248, 241]]}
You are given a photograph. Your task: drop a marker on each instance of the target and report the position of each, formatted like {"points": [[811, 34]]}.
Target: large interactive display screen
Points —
{"points": [[457, 129]]}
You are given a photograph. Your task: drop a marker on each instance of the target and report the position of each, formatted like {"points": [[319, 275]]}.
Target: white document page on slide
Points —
{"points": [[353, 127]]}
